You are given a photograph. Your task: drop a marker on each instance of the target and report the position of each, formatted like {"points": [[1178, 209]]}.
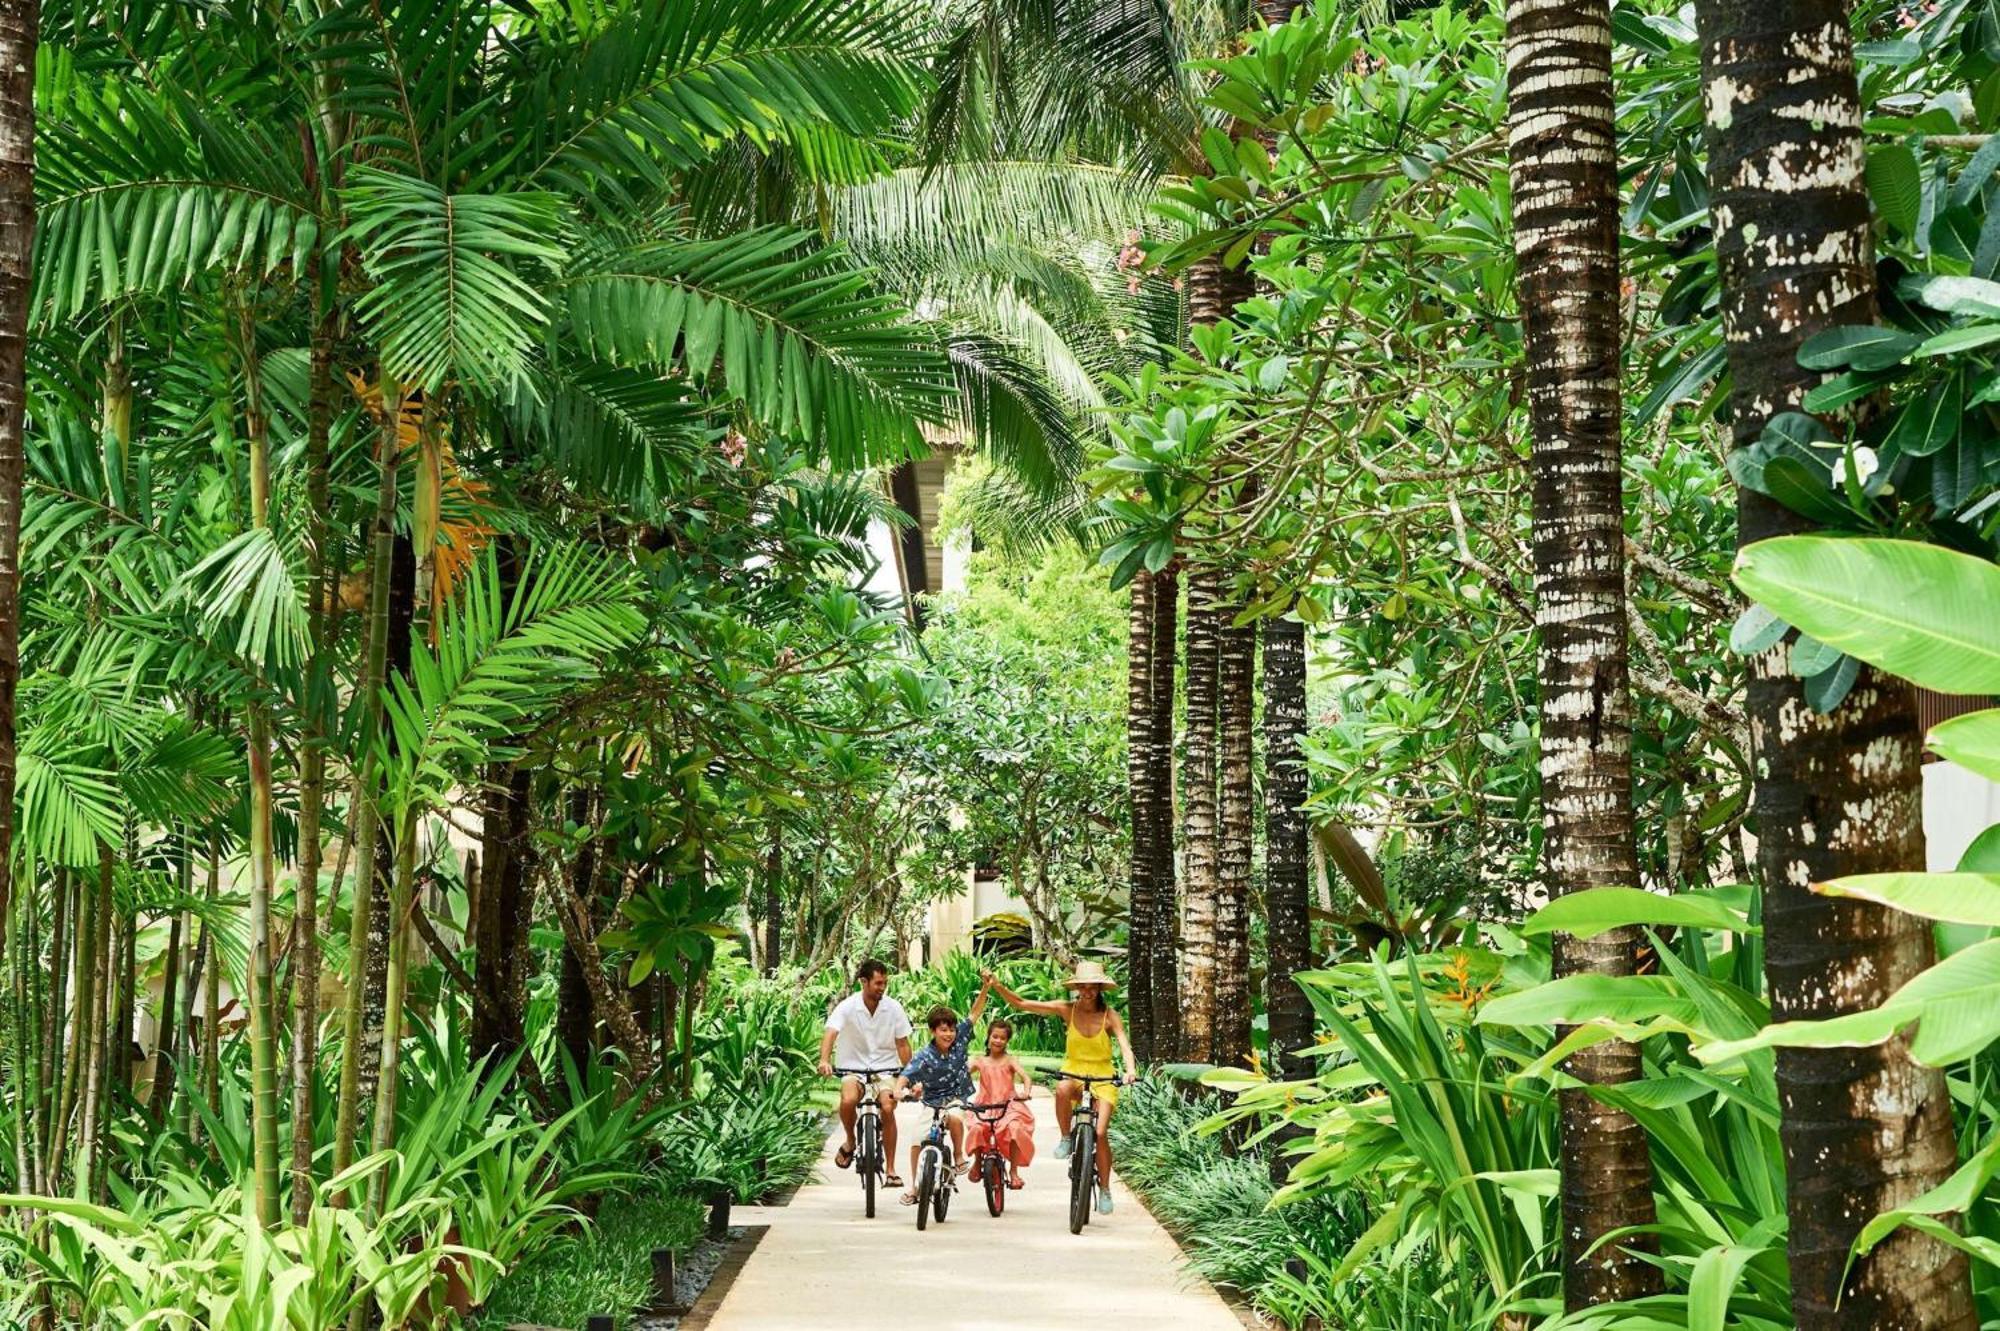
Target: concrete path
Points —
{"points": [[823, 1266]]}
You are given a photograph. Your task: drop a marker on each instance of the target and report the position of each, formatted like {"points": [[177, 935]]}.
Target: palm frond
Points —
{"points": [[791, 328], [450, 300], [671, 81], [963, 209], [248, 591], [497, 661], [1009, 411], [64, 806], [1102, 79], [147, 193], [611, 430]]}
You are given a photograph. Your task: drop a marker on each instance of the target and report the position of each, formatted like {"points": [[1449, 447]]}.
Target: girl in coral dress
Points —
{"points": [[1001, 1077]]}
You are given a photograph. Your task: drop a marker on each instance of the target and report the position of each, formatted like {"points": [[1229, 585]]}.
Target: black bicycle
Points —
{"points": [[1083, 1180], [870, 1162], [989, 1160], [937, 1167]]}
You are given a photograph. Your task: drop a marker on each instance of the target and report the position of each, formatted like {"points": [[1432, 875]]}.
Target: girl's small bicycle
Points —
{"points": [[991, 1162]]}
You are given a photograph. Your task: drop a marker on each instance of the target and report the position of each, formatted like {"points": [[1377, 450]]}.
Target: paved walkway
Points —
{"points": [[823, 1266]]}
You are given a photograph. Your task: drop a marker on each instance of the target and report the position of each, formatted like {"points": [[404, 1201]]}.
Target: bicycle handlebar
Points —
{"points": [[1084, 1077], [867, 1072]]}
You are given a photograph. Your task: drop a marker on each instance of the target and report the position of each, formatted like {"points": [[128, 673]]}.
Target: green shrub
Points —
{"points": [[605, 1267], [753, 1139], [1219, 1204]]}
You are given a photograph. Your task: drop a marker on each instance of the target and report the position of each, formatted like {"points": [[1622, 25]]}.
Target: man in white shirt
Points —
{"points": [[869, 1033]]}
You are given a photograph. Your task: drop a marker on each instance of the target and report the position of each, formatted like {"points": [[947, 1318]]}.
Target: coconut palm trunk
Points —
{"points": [[1236, 686], [1166, 939], [1200, 910], [1140, 755], [1287, 899], [1564, 160], [1864, 1130]]}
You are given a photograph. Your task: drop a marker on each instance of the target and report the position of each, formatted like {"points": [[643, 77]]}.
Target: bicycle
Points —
{"points": [[992, 1163], [869, 1160], [1083, 1182], [937, 1167]]}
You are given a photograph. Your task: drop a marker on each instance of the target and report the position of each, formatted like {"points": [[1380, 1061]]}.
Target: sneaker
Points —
{"points": [[1104, 1201], [1062, 1149]]}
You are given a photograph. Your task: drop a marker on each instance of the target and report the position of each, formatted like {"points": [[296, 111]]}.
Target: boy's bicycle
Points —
{"points": [[869, 1160], [989, 1159], [937, 1167], [1083, 1180]]}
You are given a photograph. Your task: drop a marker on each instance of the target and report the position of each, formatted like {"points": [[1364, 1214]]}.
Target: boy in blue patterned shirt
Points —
{"points": [[937, 1075]]}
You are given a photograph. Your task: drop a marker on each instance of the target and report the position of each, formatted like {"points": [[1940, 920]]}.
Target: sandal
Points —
{"points": [[1015, 1183], [843, 1157], [910, 1197], [892, 1180]]}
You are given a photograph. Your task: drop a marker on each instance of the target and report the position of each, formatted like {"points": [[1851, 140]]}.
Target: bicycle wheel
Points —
{"points": [[994, 1174], [1082, 1176], [870, 1157], [926, 1180], [941, 1198]]}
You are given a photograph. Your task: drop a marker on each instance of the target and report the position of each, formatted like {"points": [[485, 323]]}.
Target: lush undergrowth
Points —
{"points": [[1217, 1201], [601, 1268]]}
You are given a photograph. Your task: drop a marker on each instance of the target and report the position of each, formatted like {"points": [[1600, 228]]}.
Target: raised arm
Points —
{"points": [[1035, 1005], [979, 1003]]}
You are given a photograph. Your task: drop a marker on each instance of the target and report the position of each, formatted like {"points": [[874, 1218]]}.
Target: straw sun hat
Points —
{"points": [[1089, 972]]}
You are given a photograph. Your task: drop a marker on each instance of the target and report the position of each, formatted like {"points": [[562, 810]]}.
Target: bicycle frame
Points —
{"points": [[1083, 1179], [937, 1166], [871, 1161], [993, 1163]]}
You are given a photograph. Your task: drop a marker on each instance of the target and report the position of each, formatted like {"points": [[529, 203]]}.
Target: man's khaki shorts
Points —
{"points": [[876, 1085]]}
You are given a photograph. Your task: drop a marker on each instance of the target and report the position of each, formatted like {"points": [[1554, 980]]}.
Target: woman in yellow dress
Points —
{"points": [[1091, 1025]]}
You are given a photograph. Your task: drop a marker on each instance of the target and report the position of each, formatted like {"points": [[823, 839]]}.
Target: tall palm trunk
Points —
{"points": [[364, 818], [1203, 903], [95, 1019], [1140, 756], [1166, 939], [1287, 898], [1864, 1130], [386, 1084], [263, 864], [1287, 865], [1236, 684], [19, 23], [1564, 157], [312, 760]]}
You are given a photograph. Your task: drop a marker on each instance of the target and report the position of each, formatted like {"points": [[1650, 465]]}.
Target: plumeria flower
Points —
{"points": [[1865, 465]]}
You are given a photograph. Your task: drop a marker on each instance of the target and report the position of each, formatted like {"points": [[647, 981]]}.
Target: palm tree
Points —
{"points": [[1201, 929], [1564, 152], [1864, 1130], [1287, 862], [19, 23], [1141, 752]]}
